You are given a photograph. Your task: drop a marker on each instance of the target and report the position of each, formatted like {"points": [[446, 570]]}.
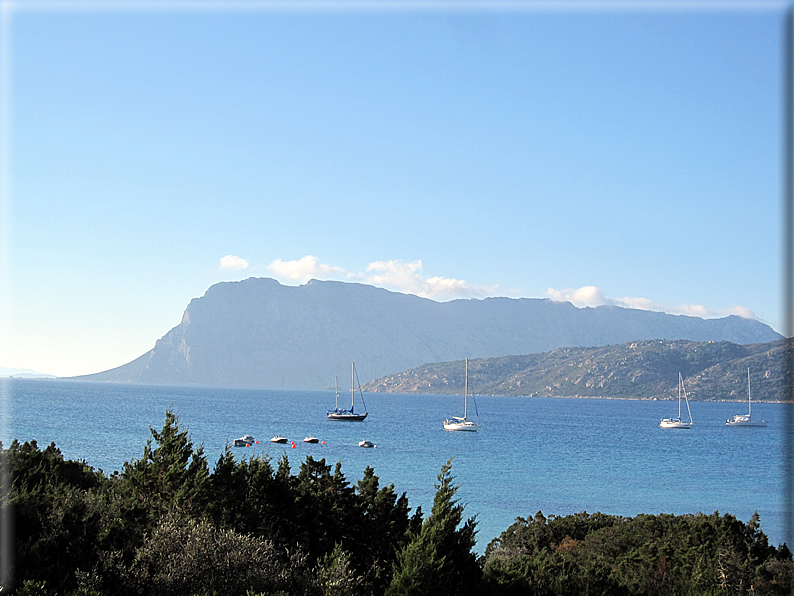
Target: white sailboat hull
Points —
{"points": [[678, 422], [746, 419], [464, 425], [742, 420], [461, 423]]}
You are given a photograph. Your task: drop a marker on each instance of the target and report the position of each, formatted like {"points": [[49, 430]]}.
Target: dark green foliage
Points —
{"points": [[250, 497], [648, 555], [336, 576], [183, 555], [439, 559], [172, 475], [58, 505], [326, 506], [167, 525], [387, 517]]}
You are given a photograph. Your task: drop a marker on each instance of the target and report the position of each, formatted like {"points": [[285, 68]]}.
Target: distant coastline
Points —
{"points": [[766, 401], [376, 393]]}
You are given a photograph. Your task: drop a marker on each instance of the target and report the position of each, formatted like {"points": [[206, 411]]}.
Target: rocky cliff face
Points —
{"points": [[259, 333]]}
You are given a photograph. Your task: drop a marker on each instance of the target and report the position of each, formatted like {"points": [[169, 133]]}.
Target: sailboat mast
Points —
{"points": [[466, 392], [687, 403], [749, 407], [336, 388], [680, 383], [353, 387]]}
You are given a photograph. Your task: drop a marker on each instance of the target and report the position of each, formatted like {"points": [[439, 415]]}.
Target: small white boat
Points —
{"points": [[457, 423], [366, 443], [278, 439], [679, 422], [745, 419], [244, 441], [311, 440]]}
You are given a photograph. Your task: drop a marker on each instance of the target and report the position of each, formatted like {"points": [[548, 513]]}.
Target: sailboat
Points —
{"points": [[456, 423], [742, 419], [350, 415], [678, 422]]}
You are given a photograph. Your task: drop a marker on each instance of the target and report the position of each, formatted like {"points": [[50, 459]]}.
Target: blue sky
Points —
{"points": [[603, 153]]}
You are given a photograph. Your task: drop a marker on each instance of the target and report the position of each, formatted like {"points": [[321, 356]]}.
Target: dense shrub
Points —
{"points": [[187, 556], [649, 554]]}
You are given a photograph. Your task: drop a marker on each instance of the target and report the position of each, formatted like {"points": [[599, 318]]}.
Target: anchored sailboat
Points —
{"points": [[350, 415], [456, 423], [742, 419], [678, 422]]}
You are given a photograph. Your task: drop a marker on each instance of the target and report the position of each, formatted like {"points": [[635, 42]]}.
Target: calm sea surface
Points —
{"points": [[559, 456]]}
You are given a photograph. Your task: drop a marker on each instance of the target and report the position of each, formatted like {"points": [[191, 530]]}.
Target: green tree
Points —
{"points": [[172, 475], [381, 514], [57, 516], [229, 489], [183, 555], [439, 559], [336, 576], [647, 555]]}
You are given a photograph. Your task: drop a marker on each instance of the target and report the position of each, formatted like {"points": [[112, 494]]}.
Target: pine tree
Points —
{"points": [[173, 474], [438, 559]]}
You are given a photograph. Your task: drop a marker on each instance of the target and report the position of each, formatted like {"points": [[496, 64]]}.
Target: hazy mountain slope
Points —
{"points": [[259, 333], [23, 373]]}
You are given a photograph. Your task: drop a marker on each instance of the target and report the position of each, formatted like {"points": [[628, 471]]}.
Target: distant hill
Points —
{"points": [[23, 373], [259, 333], [712, 371]]}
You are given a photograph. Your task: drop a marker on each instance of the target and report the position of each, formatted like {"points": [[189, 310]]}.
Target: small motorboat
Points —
{"points": [[311, 440], [366, 443], [278, 439], [244, 441]]}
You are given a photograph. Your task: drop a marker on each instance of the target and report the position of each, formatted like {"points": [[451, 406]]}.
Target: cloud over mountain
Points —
{"points": [[233, 262], [395, 275], [593, 296]]}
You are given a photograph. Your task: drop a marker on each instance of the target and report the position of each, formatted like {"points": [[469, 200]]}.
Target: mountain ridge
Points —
{"points": [[712, 371], [260, 333]]}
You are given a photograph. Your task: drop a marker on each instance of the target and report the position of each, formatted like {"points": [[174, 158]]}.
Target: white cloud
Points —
{"points": [[584, 296], [593, 296], [407, 277], [233, 262], [395, 275], [302, 270]]}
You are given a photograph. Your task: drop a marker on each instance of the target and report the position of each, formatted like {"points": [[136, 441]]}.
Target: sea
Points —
{"points": [[554, 455]]}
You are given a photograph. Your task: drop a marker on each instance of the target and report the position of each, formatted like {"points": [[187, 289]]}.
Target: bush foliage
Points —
{"points": [[168, 524]]}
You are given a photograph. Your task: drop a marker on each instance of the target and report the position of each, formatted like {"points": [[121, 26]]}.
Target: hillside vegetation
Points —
{"points": [[712, 371]]}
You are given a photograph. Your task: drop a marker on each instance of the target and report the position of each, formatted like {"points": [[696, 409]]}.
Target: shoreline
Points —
{"points": [[374, 393], [766, 401]]}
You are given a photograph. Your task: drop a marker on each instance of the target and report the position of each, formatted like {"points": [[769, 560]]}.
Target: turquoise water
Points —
{"points": [[559, 456]]}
